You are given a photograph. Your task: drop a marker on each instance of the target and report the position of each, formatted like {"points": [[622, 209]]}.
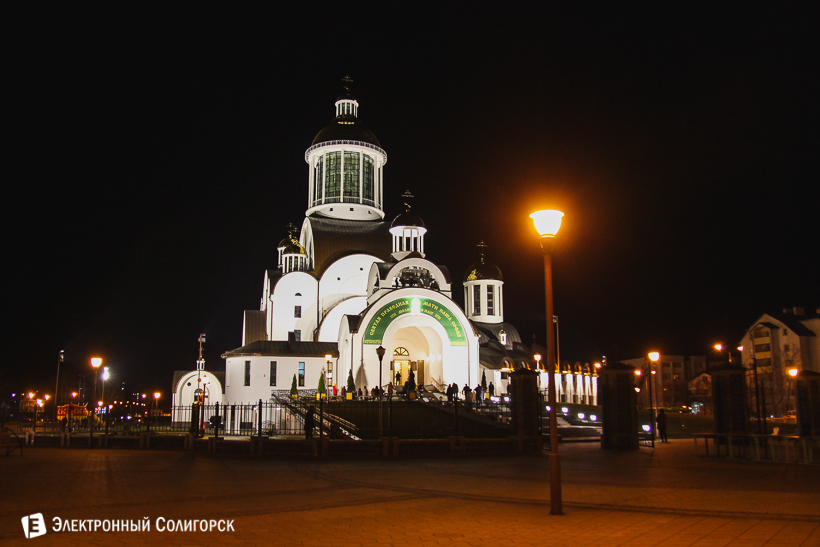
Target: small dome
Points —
{"points": [[290, 246], [408, 218], [346, 128], [483, 270]]}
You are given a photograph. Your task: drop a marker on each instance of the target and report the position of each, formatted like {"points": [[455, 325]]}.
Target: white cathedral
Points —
{"points": [[350, 281]]}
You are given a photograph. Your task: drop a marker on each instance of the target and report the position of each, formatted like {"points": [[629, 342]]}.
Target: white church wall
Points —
{"points": [[329, 327], [345, 278], [293, 289], [236, 392]]}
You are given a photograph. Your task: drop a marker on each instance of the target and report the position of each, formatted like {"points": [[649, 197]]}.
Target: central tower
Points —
{"points": [[346, 166]]}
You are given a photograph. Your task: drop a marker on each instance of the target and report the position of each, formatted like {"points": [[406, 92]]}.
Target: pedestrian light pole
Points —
{"points": [[547, 223], [57, 386], [380, 352], [95, 362], [654, 356]]}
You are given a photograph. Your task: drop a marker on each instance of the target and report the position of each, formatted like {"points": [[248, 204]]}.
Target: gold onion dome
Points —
{"points": [[290, 246], [483, 270]]}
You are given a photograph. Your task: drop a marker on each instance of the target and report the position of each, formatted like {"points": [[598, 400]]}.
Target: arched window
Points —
{"points": [[401, 351]]}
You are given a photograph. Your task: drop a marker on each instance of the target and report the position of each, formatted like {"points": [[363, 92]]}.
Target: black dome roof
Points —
{"points": [[408, 218], [483, 270], [346, 128]]}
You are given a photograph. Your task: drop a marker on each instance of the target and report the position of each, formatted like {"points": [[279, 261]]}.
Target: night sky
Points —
{"points": [[155, 158]]}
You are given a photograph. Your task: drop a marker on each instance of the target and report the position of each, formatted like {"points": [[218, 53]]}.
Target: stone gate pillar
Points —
{"points": [[619, 402], [729, 399], [524, 405], [808, 404]]}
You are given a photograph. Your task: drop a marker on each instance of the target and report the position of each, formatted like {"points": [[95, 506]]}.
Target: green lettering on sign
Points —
{"points": [[414, 306]]}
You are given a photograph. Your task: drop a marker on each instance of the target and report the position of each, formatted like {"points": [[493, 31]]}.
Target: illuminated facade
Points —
{"points": [[348, 282]]}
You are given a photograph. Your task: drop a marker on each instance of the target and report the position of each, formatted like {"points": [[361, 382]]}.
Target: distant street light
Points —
{"points": [[547, 223], [95, 362]]}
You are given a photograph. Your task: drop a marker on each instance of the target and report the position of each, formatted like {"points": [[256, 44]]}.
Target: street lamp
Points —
{"points": [[793, 372], [328, 358], [156, 406], [380, 352], [95, 362], [654, 356], [547, 223]]}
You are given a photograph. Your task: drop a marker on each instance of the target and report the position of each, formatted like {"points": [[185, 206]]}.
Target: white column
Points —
{"points": [[361, 177], [311, 176]]}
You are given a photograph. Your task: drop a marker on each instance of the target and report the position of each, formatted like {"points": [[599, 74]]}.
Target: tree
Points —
{"points": [[322, 383], [484, 380], [351, 385], [293, 391]]}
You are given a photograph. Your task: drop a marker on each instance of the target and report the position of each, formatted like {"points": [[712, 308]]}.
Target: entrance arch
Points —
{"points": [[425, 341]]}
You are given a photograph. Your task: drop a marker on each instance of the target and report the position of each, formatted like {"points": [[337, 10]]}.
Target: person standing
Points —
{"points": [[491, 389], [662, 426]]}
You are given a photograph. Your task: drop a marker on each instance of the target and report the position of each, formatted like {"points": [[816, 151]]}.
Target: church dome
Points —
{"points": [[408, 218], [290, 246], [346, 128], [483, 270]]}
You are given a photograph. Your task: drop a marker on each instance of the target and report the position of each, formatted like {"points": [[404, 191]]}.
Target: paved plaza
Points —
{"points": [[667, 496]]}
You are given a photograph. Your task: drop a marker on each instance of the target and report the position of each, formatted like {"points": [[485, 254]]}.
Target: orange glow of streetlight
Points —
{"points": [[156, 395], [793, 372], [719, 347], [547, 222], [597, 365], [73, 394], [47, 397], [638, 373], [654, 356], [740, 348], [30, 395], [96, 362], [537, 356]]}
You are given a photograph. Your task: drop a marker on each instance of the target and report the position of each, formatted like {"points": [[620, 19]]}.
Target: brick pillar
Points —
{"points": [[525, 402], [808, 403], [619, 402], [729, 399]]}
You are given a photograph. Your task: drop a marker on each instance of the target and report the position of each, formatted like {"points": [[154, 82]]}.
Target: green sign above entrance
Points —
{"points": [[414, 306]]}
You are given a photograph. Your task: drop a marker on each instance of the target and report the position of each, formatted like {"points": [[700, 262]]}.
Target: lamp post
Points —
{"points": [[95, 362], [792, 372], [653, 358], [57, 386], [156, 406], [380, 352], [547, 223]]}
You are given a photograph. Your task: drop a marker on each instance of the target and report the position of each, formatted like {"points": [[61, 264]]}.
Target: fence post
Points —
{"points": [[260, 417], [217, 422], [321, 416], [455, 416]]}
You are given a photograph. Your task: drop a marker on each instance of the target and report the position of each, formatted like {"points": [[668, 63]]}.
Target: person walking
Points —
{"points": [[662, 426], [309, 423], [398, 378], [479, 394], [491, 389]]}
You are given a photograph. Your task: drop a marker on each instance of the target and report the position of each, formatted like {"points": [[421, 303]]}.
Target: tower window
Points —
{"points": [[297, 335], [247, 373], [301, 375], [367, 178], [351, 174], [490, 300], [273, 373], [318, 172], [297, 311], [333, 165], [476, 300]]}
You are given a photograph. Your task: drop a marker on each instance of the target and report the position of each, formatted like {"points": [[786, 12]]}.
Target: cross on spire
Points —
{"points": [[346, 81], [407, 196], [481, 249]]}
